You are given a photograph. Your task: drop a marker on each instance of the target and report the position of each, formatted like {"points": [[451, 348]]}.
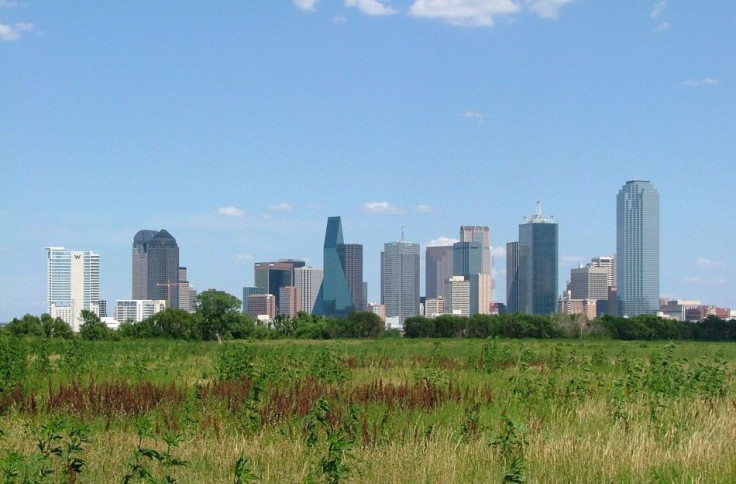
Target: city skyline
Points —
{"points": [[241, 140]]}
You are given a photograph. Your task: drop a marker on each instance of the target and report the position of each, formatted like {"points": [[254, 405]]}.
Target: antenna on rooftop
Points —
{"points": [[402, 233]]}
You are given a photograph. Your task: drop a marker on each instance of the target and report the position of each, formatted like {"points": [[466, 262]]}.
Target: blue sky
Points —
{"points": [[241, 126]]}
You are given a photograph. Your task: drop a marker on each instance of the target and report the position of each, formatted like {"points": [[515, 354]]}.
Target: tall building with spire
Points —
{"points": [[637, 248], [334, 298], [400, 279], [538, 264]]}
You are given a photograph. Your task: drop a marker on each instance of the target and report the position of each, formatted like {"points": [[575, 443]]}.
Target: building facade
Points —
{"points": [[163, 269], [140, 263], [400, 279], [334, 298], [512, 277], [438, 268], [72, 284], [308, 280], [457, 296], [637, 248], [354, 275], [538, 265], [136, 310]]}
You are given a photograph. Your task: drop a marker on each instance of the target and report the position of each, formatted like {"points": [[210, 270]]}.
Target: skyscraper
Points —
{"points": [[308, 280], [482, 235], [354, 275], [637, 248], [467, 258], [163, 269], [512, 277], [72, 283], [140, 263], [272, 276], [400, 279], [438, 268], [538, 265], [334, 298]]}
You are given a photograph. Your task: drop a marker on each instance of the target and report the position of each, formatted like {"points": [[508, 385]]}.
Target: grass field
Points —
{"points": [[386, 410]]}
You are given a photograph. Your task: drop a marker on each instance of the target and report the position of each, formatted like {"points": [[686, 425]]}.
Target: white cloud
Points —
{"points": [[11, 33], [339, 19], [465, 13], [547, 8], [720, 281], [371, 7], [441, 242], [663, 27], [709, 264], [309, 5], [498, 251], [706, 81], [694, 280], [423, 208], [659, 7], [230, 211], [280, 207], [8, 3], [243, 258], [381, 208], [474, 115]]}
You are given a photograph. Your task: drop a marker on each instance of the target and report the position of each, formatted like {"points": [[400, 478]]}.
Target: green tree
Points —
{"points": [[55, 327], [217, 312], [28, 325], [94, 329]]}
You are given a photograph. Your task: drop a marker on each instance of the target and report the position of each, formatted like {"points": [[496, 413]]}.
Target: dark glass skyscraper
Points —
{"points": [[512, 277], [637, 248], [537, 247], [354, 275], [163, 269], [140, 263], [334, 298]]}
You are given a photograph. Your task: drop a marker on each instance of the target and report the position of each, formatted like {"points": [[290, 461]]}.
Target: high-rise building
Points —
{"points": [[140, 263], [272, 276], [354, 275], [538, 255], [607, 262], [637, 248], [262, 307], [136, 310], [438, 268], [187, 293], [467, 258], [291, 301], [480, 293], [72, 284], [308, 280], [400, 279], [589, 283], [482, 235], [163, 269], [457, 296], [334, 298], [512, 277], [247, 291]]}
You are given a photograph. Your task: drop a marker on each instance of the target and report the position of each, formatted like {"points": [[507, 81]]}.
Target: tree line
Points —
{"points": [[218, 317]]}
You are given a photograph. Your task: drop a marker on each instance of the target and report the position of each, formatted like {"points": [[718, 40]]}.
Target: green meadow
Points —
{"points": [[381, 410]]}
